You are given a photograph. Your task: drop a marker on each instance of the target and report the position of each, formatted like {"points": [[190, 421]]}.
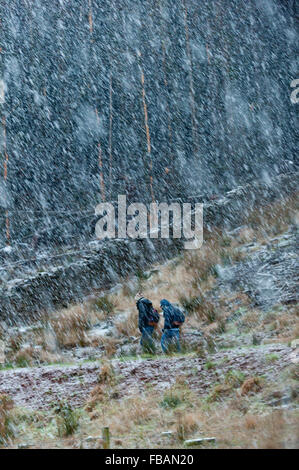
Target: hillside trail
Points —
{"points": [[38, 388]]}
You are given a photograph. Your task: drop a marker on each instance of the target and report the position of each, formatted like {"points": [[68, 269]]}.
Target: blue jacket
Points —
{"points": [[168, 313]]}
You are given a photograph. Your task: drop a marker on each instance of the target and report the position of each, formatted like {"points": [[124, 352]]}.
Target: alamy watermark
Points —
{"points": [[160, 220]]}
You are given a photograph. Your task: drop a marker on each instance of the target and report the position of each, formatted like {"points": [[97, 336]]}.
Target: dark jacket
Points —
{"points": [[143, 306], [169, 314]]}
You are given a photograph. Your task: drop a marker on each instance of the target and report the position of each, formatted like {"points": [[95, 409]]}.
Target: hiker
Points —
{"points": [[148, 319], [173, 319]]}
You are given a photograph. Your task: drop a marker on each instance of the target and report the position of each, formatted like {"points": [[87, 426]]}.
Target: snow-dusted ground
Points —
{"points": [[39, 387]]}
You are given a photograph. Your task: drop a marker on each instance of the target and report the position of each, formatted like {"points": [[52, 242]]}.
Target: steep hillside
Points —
{"points": [[236, 379]]}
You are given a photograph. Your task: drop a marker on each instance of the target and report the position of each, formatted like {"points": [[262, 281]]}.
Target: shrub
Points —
{"points": [[67, 419], [219, 391], [249, 320], [105, 304], [170, 400]]}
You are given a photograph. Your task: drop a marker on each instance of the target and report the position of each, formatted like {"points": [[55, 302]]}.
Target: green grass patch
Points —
{"points": [[210, 365], [170, 400], [234, 378], [271, 357]]}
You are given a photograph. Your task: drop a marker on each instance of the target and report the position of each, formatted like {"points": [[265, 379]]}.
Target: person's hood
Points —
{"points": [[165, 303], [144, 301]]}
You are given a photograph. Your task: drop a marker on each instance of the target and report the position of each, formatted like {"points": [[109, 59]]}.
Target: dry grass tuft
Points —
{"points": [[131, 412], [186, 424], [219, 392], [202, 264], [293, 372], [106, 304], [107, 374], [24, 357], [275, 430], [102, 391], [252, 385], [6, 405], [250, 319], [274, 218], [200, 307], [251, 421], [128, 326], [70, 326], [15, 342], [272, 430], [28, 356], [97, 395]]}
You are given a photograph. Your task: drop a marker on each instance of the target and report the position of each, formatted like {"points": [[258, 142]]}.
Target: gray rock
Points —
{"points": [[23, 446], [267, 276], [199, 441], [92, 438]]}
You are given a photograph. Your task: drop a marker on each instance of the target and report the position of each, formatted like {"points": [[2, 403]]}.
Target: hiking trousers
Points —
{"points": [[146, 340], [170, 340]]}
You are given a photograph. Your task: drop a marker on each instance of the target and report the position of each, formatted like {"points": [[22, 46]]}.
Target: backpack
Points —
{"points": [[153, 316], [178, 317]]}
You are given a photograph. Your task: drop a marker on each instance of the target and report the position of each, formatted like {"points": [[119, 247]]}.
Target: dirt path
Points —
{"points": [[38, 388]]}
